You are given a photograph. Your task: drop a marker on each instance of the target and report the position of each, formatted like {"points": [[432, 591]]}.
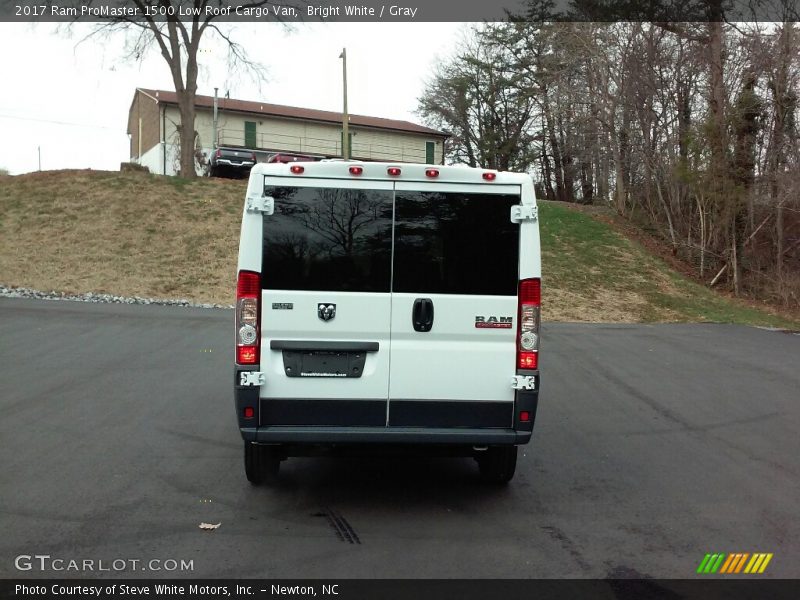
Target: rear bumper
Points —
{"points": [[342, 421], [384, 435], [224, 162]]}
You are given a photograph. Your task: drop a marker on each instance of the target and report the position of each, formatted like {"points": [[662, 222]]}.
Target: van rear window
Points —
{"points": [[455, 243], [337, 240], [340, 240]]}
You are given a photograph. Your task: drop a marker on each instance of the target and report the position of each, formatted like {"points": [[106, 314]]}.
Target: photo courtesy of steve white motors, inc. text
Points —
{"points": [[171, 589]]}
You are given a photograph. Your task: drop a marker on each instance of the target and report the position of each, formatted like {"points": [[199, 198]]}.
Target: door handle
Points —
{"points": [[422, 314]]}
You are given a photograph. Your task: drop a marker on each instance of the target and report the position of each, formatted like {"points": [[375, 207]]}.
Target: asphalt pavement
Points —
{"points": [[653, 445]]}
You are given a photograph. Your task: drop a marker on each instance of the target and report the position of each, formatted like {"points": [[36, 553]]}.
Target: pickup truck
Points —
{"points": [[231, 162]]}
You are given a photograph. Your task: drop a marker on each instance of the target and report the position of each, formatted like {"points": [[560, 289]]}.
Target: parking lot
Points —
{"points": [[653, 445]]}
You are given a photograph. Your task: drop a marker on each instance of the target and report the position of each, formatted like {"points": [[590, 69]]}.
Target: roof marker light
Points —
{"points": [[489, 176], [432, 172], [393, 171], [297, 169], [355, 170]]}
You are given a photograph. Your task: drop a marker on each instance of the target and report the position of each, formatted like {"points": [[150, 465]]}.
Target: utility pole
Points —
{"points": [[345, 115], [39, 149], [215, 141]]}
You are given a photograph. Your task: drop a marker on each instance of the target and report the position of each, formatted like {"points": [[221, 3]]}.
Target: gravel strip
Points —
{"points": [[19, 292]]}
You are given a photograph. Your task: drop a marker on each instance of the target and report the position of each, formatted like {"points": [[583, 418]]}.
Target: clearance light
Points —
{"points": [[297, 169], [356, 170], [393, 171], [431, 172], [489, 176]]}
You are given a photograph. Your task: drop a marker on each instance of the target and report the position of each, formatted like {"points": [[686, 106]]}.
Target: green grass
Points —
{"points": [[137, 234], [604, 273]]}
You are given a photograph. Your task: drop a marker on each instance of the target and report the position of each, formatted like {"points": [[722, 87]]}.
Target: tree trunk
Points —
{"points": [[718, 176], [566, 162], [716, 101], [547, 170], [620, 194], [748, 107], [783, 104], [187, 143], [587, 183], [186, 88], [554, 147], [702, 216]]}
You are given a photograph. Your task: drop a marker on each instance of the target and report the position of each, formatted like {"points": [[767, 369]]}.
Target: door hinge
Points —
{"points": [[252, 378], [524, 212], [260, 204], [523, 382]]}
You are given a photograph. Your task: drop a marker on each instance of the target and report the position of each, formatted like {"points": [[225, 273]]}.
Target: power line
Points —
{"points": [[2, 116]]}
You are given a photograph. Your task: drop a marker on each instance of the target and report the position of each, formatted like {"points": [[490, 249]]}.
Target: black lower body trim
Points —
{"points": [[450, 413], [326, 413], [385, 435]]}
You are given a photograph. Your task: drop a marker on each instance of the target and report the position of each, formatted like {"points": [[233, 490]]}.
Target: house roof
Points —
{"points": [[293, 112]]}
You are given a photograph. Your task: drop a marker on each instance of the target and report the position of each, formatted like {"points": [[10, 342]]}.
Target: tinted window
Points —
{"points": [[455, 243], [328, 239]]}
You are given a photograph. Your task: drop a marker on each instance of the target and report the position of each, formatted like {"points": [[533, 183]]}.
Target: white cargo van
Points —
{"points": [[387, 304]]}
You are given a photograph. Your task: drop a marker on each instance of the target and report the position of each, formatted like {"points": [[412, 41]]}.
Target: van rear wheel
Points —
{"points": [[261, 463], [498, 463]]}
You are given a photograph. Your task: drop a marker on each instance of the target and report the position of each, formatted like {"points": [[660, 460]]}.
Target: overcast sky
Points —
{"points": [[72, 99]]}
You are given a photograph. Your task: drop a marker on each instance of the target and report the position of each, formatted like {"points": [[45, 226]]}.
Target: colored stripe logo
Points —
{"points": [[735, 563]]}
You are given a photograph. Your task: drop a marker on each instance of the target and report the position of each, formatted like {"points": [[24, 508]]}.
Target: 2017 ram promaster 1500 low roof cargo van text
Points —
{"points": [[390, 304]]}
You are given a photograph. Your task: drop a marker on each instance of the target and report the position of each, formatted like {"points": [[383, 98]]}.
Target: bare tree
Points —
{"points": [[688, 129], [478, 97], [175, 28], [785, 100]]}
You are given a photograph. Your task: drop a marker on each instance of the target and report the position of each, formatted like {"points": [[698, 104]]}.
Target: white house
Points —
{"points": [[266, 129]]}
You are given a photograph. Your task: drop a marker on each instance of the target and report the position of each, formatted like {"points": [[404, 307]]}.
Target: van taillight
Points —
{"points": [[218, 153], [529, 312], [248, 311]]}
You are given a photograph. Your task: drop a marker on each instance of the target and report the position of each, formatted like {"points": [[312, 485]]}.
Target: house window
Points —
{"points": [[430, 152], [250, 134]]}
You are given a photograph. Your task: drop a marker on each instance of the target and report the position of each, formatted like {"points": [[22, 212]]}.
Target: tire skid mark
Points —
{"points": [[341, 527]]}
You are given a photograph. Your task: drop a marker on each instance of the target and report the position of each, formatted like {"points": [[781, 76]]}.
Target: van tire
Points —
{"points": [[498, 464], [261, 463]]}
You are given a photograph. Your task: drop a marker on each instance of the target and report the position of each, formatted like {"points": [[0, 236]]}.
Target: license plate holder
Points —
{"points": [[323, 363]]}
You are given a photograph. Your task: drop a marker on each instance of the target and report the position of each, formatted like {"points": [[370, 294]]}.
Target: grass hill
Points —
{"points": [[137, 234]]}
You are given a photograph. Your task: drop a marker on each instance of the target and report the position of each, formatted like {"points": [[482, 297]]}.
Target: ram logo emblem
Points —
{"points": [[326, 312], [493, 322]]}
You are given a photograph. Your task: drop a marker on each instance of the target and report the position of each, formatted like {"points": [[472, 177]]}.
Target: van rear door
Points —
{"points": [[326, 302], [454, 304]]}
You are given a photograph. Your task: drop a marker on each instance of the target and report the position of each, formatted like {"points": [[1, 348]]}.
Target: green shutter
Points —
{"points": [[250, 134], [430, 152]]}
